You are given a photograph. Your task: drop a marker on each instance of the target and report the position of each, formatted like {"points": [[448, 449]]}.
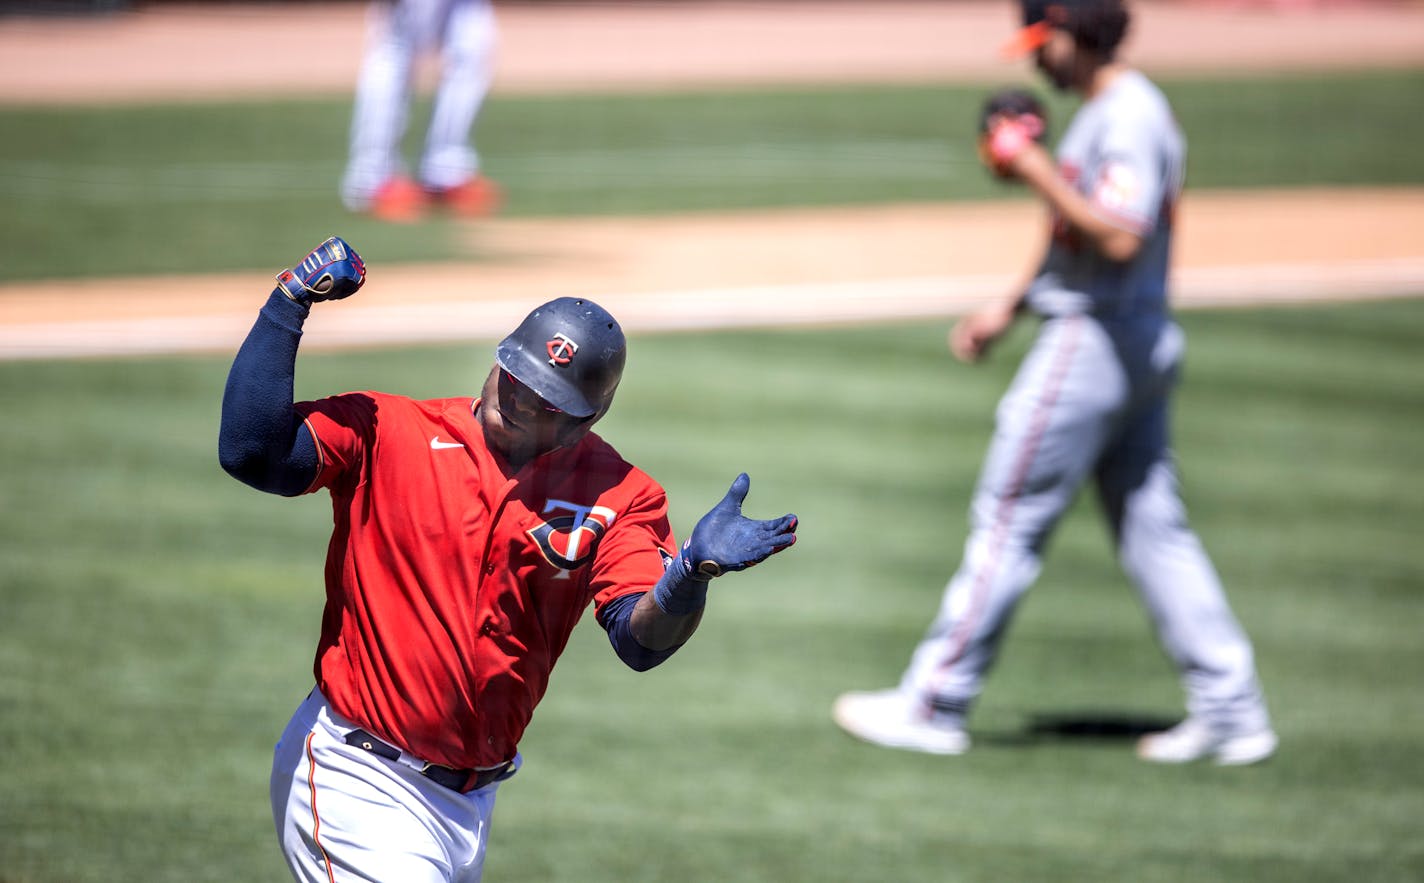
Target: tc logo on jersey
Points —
{"points": [[561, 350], [569, 541]]}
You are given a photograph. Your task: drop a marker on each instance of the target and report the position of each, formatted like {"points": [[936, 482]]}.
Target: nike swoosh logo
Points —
{"points": [[437, 445]]}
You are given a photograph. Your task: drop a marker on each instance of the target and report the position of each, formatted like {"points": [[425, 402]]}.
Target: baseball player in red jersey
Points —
{"points": [[469, 536]]}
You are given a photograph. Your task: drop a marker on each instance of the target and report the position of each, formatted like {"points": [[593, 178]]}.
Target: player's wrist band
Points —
{"points": [[292, 287], [680, 591], [285, 312], [287, 296]]}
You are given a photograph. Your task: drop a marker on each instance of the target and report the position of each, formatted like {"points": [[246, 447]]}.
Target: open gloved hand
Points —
{"points": [[724, 540]]}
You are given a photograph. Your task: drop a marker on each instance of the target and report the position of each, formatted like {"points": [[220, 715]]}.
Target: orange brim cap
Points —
{"points": [[1027, 40]]}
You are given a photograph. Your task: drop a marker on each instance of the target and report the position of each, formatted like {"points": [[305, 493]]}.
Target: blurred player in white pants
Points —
{"points": [[400, 34]]}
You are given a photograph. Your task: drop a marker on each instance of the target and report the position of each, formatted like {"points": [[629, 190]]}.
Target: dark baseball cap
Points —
{"points": [[1039, 19]]}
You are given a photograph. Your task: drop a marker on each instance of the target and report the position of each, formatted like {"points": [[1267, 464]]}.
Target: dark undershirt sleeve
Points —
{"points": [[262, 440], [616, 617]]}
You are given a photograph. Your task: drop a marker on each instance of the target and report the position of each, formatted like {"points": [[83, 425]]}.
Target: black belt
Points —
{"points": [[456, 780]]}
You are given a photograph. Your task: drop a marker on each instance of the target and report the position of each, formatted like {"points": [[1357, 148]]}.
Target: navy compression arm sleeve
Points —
{"points": [[262, 440], [617, 619]]}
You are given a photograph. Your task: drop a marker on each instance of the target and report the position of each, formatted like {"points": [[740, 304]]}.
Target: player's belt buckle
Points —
{"points": [[450, 777], [466, 780], [485, 777]]}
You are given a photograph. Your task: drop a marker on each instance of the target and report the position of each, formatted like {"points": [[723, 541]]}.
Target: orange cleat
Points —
{"points": [[475, 198], [399, 200]]}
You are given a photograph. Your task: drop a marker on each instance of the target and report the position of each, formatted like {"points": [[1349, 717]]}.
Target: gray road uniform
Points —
{"points": [[1090, 402]]}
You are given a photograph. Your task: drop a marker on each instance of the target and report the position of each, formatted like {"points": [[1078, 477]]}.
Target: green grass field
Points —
{"points": [[158, 618], [156, 189], [159, 621]]}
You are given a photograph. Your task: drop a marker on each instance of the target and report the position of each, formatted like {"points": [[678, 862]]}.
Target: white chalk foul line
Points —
{"points": [[939, 297]]}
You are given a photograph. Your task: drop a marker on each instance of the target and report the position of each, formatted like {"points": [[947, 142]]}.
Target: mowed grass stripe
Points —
{"points": [[160, 618]]}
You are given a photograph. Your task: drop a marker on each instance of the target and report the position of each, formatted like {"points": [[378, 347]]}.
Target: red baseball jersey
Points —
{"points": [[452, 581]]}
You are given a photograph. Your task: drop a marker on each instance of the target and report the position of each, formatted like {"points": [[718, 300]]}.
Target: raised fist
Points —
{"points": [[332, 271]]}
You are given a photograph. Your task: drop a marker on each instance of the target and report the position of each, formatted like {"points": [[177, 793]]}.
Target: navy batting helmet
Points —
{"points": [[570, 352]]}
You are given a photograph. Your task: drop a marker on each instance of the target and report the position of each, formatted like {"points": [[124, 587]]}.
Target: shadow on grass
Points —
{"points": [[1085, 726]]}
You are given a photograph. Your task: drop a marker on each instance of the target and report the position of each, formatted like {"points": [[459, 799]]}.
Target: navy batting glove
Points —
{"points": [[724, 540], [332, 271]]}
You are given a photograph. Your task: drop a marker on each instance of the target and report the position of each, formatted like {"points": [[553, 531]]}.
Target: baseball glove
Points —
{"points": [[1009, 121]]}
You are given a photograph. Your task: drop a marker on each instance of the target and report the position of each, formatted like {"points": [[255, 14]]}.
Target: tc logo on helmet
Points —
{"points": [[561, 350]]}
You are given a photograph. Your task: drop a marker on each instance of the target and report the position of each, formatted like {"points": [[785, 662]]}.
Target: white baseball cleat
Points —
{"points": [[894, 720], [1193, 740]]}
